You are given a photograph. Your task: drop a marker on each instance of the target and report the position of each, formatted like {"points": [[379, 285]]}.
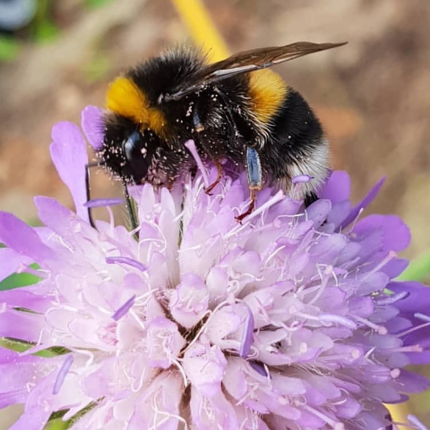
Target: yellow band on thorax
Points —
{"points": [[126, 99]]}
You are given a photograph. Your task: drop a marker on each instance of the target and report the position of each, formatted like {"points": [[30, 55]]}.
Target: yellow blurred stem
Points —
{"points": [[204, 33], [202, 28], [399, 412]]}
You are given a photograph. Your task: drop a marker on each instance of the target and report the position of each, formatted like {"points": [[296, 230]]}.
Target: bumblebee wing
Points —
{"points": [[247, 61]]}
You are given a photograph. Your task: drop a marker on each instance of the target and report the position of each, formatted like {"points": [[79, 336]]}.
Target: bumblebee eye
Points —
{"points": [[134, 150], [130, 145]]}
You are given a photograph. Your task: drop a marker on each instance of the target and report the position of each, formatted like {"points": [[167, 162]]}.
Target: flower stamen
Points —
{"points": [[128, 261], [62, 374], [122, 311]]}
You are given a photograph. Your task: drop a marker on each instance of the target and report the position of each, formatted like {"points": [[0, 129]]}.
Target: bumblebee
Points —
{"points": [[236, 109]]}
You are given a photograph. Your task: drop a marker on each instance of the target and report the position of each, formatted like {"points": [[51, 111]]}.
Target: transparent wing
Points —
{"points": [[245, 62]]}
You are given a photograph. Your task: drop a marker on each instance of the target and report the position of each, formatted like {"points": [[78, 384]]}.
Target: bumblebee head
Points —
{"points": [[132, 132], [139, 128], [128, 152]]}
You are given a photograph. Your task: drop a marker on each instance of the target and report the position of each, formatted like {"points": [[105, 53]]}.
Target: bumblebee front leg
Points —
{"points": [[255, 179], [209, 188]]}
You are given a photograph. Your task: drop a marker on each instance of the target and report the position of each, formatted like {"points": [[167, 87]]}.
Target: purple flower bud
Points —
{"points": [[189, 300], [204, 366], [163, 342]]}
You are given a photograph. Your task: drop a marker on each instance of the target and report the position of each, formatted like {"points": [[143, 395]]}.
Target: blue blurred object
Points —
{"points": [[15, 14]]}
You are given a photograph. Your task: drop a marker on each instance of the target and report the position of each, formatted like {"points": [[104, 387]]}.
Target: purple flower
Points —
{"points": [[291, 320]]}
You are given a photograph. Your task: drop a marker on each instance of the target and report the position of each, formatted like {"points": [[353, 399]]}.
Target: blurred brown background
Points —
{"points": [[372, 96]]}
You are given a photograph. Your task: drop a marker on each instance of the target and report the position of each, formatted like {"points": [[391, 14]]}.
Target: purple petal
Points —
{"points": [[7, 355], [10, 262], [14, 397], [54, 215], [16, 371], [93, 126], [412, 382], [38, 407], [364, 203], [417, 300], [395, 267], [98, 203], [16, 234], [21, 297], [20, 325], [65, 223], [395, 233], [34, 420], [419, 357], [337, 188], [69, 155], [318, 211]]}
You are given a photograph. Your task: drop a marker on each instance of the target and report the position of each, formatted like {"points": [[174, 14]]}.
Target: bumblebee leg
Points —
{"points": [[217, 180], [253, 196], [255, 179], [198, 126]]}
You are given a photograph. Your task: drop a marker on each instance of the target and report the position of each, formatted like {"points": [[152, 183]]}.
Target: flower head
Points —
{"points": [[291, 320]]}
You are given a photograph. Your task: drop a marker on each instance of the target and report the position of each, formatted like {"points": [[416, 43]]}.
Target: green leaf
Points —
{"points": [[97, 68], [418, 270], [15, 345], [96, 3], [21, 346], [57, 425], [18, 280], [9, 48], [46, 31]]}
